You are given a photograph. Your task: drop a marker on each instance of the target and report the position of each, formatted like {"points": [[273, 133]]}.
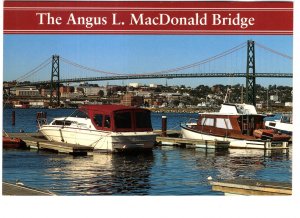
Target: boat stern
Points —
{"points": [[137, 141]]}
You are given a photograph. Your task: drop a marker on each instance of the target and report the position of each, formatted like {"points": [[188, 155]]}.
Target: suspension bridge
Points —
{"points": [[231, 63]]}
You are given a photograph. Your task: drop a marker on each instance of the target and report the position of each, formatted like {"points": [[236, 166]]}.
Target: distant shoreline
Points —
{"points": [[181, 110], [201, 110]]}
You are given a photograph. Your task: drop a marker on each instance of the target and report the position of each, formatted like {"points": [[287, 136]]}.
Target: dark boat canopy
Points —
{"points": [[118, 118], [106, 108]]}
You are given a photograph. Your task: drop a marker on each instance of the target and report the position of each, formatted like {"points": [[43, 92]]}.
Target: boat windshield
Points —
{"points": [[130, 121], [98, 118], [143, 119], [80, 114], [62, 122], [123, 120]]}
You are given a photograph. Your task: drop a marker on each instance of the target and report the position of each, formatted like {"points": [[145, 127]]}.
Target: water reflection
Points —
{"points": [[165, 171], [103, 174], [239, 163]]}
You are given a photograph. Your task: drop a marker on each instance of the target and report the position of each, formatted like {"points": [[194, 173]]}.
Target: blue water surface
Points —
{"points": [[165, 171]]}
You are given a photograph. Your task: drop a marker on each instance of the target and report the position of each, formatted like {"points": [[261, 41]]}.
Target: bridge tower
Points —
{"points": [[55, 82], [250, 74]]}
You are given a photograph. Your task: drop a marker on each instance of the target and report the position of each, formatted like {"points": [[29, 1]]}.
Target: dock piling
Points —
{"points": [[164, 126], [13, 118]]}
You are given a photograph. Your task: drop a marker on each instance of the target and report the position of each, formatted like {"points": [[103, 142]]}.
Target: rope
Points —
{"points": [[101, 137]]}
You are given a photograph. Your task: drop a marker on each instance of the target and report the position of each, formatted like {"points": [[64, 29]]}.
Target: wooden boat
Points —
{"points": [[237, 123]]}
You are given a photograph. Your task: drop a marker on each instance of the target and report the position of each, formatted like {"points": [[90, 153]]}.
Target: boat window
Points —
{"points": [[58, 122], [228, 123], [107, 121], [98, 118], [68, 123], [143, 119], [209, 122], [220, 123], [223, 123], [62, 122], [80, 114], [123, 120], [272, 124]]}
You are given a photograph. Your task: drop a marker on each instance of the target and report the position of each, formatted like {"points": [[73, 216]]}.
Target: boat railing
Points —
{"points": [[286, 118], [4, 133], [41, 118], [190, 122]]}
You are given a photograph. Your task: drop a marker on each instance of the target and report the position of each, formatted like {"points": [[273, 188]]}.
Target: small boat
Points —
{"points": [[283, 125], [237, 123], [14, 143], [108, 128]]}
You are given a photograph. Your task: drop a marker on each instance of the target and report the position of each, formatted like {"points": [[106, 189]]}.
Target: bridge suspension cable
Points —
{"points": [[35, 70], [273, 51], [225, 53], [87, 68]]}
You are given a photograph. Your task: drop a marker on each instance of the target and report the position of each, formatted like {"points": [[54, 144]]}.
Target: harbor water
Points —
{"points": [[165, 171]]}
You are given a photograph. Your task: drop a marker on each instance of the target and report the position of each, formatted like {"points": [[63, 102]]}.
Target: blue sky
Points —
{"points": [[143, 54]]}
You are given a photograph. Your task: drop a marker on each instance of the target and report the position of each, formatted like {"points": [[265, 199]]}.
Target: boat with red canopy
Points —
{"points": [[108, 128]]}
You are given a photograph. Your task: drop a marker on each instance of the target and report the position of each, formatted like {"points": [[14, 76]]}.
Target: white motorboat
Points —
{"points": [[237, 123], [108, 128], [284, 124]]}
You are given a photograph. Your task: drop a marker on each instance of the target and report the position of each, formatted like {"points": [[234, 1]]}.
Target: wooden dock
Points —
{"points": [[193, 143], [22, 190], [38, 141], [250, 187], [170, 133]]}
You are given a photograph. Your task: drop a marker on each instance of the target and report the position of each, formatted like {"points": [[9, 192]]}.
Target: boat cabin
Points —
{"points": [[116, 118], [234, 121], [231, 121], [229, 125]]}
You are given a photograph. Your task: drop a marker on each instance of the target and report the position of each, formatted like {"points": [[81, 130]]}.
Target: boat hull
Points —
{"points": [[234, 143], [100, 140], [12, 143], [286, 128]]}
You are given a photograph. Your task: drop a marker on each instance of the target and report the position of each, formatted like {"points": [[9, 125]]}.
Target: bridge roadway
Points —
{"points": [[166, 76]]}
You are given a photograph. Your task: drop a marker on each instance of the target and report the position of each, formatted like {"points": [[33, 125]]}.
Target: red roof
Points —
{"points": [[107, 108]]}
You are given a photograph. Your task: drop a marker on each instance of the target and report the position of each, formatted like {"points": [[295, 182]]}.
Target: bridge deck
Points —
{"points": [[155, 76]]}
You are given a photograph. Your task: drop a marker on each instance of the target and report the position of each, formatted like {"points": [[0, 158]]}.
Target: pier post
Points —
{"points": [[164, 126], [13, 118]]}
